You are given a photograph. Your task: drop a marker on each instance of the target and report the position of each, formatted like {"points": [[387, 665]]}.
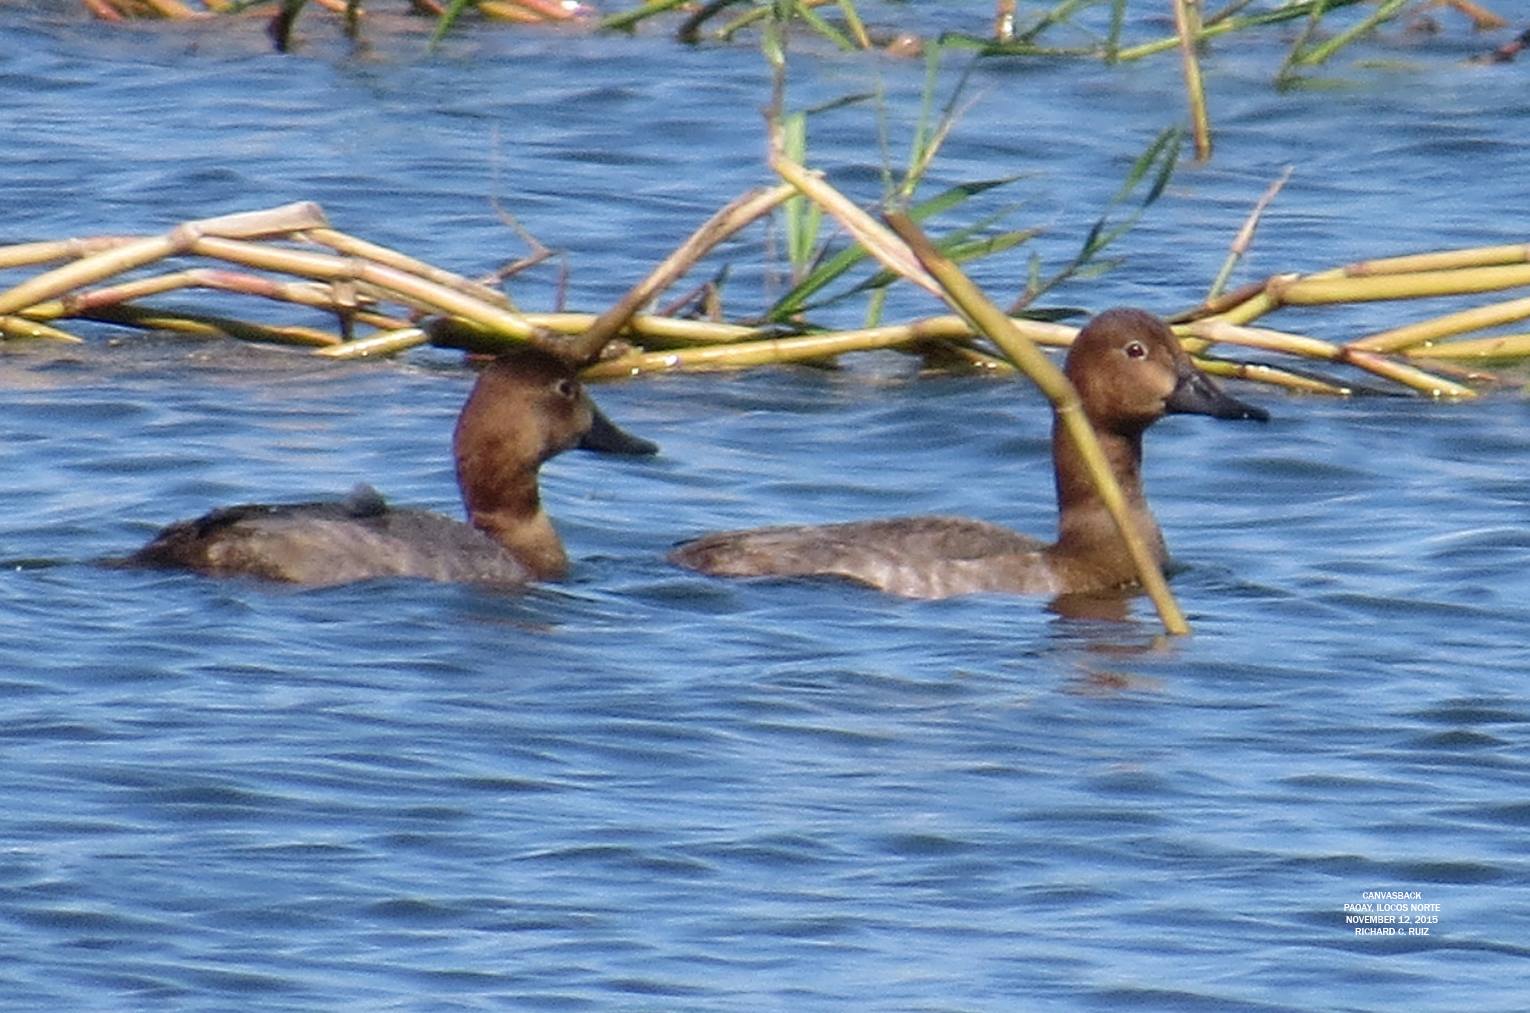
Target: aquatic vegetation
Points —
{"points": [[383, 302], [379, 301], [1011, 34], [1067, 28]]}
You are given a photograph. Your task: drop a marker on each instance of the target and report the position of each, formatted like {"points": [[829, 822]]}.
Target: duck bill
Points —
{"points": [[607, 437], [1196, 394]]}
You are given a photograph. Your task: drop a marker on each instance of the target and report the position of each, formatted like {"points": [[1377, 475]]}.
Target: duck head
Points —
{"points": [[527, 407], [1130, 371]]}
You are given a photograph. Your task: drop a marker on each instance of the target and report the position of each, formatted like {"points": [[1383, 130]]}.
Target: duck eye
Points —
{"points": [[1136, 350], [566, 388]]}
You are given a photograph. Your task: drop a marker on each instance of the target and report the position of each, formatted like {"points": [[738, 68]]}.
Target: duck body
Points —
{"points": [[1129, 371], [525, 408], [917, 557], [323, 543]]}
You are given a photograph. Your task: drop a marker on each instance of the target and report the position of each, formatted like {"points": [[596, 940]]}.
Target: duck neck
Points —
{"points": [[511, 513], [1084, 524]]}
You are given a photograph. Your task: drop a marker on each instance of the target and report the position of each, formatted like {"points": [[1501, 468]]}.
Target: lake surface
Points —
{"points": [[648, 790]]}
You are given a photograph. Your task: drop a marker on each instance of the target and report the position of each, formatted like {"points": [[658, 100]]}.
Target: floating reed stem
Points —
{"points": [[382, 343], [768, 352], [387, 296], [317, 296], [135, 253], [172, 9], [651, 331], [399, 284], [1409, 376], [33, 330], [1482, 18], [1437, 260], [1478, 318], [871, 234], [1313, 291], [103, 10], [1187, 24], [1258, 372], [813, 347], [1504, 346], [654, 330], [1221, 332], [1245, 237], [964, 296], [1415, 276], [350, 246], [27, 254], [714, 230], [208, 325]]}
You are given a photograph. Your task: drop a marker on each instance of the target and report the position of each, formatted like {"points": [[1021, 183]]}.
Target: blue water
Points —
{"points": [[643, 789]]}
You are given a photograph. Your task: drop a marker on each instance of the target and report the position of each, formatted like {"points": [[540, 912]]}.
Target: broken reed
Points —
{"points": [[381, 301]]}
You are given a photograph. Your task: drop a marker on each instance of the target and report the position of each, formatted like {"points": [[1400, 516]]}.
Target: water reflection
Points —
{"points": [[1113, 606]]}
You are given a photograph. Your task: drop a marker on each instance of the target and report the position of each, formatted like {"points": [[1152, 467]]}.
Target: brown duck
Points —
{"points": [[1129, 372], [525, 408]]}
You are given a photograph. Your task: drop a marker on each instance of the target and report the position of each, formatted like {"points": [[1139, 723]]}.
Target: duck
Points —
{"points": [[525, 408], [1129, 371]]}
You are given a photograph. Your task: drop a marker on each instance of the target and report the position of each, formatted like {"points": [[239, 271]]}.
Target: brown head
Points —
{"points": [[1130, 371], [526, 407]]}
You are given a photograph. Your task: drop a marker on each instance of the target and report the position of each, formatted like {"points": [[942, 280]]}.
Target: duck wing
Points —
{"points": [[359, 538], [916, 557]]}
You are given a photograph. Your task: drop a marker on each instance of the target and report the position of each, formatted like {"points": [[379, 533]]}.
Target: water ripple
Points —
{"points": [[649, 789]]}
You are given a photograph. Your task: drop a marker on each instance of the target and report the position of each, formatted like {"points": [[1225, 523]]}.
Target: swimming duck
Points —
{"points": [[1129, 372], [525, 408]]}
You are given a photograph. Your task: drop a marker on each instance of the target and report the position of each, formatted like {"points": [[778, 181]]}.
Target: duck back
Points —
{"points": [[360, 538], [916, 557], [526, 407]]}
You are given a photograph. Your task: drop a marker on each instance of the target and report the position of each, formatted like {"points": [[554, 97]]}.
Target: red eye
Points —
{"points": [[1136, 350]]}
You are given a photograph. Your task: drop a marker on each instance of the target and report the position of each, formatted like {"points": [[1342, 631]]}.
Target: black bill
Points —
{"points": [[1196, 394], [608, 438]]}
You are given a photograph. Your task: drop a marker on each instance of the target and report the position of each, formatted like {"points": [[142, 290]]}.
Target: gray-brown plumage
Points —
{"points": [[1129, 372], [525, 408]]}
